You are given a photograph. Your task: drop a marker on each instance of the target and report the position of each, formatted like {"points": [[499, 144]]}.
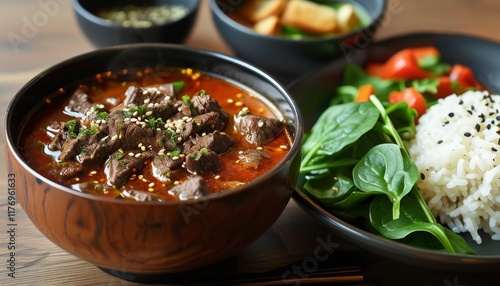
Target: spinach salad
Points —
{"points": [[355, 161]]}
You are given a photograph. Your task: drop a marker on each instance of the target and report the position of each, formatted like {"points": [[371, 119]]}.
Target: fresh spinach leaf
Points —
{"points": [[329, 189], [403, 119], [412, 219], [386, 170], [434, 65], [426, 85], [337, 127]]}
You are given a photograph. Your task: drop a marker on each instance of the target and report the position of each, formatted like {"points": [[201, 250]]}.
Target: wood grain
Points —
{"points": [[295, 235]]}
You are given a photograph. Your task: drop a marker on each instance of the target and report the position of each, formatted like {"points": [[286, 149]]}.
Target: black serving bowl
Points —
{"points": [[289, 58], [313, 93], [104, 33], [134, 239]]}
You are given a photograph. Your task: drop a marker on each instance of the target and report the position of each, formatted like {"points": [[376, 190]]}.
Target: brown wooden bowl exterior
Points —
{"points": [[150, 238]]}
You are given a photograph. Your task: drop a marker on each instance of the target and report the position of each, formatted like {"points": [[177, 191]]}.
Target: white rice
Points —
{"points": [[457, 150]]}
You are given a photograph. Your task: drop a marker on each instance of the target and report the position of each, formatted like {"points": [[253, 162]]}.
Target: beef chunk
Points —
{"points": [[258, 130], [135, 134], [204, 103], [128, 133], [69, 149], [160, 101], [136, 96], [115, 123], [79, 102], [142, 196], [164, 163], [95, 151], [217, 141], [203, 161], [252, 158], [66, 130], [122, 166], [70, 170], [200, 123], [193, 188]]}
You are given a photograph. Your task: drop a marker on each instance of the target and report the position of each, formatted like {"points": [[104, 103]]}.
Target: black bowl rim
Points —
{"points": [[382, 246], [292, 152], [102, 22], [245, 30]]}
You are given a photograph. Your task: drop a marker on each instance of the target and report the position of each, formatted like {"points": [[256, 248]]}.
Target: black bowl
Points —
{"points": [[103, 33], [313, 93], [288, 58]]}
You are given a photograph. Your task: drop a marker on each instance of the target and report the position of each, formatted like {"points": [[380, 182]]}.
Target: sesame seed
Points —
{"points": [[151, 184], [175, 158], [149, 113], [131, 154], [239, 103], [260, 124], [176, 182], [230, 100], [138, 155], [284, 147], [477, 127], [93, 172], [440, 141], [143, 148], [467, 134], [151, 190], [259, 148], [217, 177], [494, 149]]}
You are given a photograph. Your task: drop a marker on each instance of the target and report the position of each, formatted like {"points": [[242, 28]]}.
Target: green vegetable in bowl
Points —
{"points": [[357, 166]]}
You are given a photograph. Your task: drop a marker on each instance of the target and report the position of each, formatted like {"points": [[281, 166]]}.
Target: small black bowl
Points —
{"points": [[102, 32], [288, 58]]}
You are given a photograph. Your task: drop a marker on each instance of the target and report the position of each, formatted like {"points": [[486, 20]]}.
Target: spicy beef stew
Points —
{"points": [[154, 135]]}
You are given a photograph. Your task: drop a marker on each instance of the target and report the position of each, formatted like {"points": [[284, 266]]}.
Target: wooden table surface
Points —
{"points": [[27, 49]]}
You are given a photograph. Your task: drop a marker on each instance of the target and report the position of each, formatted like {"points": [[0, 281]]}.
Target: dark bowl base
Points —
{"points": [[163, 278]]}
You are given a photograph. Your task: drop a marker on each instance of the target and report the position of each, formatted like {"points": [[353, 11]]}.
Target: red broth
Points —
{"points": [[108, 89]]}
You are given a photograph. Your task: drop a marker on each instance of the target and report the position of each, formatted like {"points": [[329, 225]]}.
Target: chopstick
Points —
{"points": [[333, 275], [340, 275]]}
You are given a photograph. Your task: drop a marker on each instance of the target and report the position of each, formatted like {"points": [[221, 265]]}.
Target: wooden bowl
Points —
{"points": [[146, 238]]}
